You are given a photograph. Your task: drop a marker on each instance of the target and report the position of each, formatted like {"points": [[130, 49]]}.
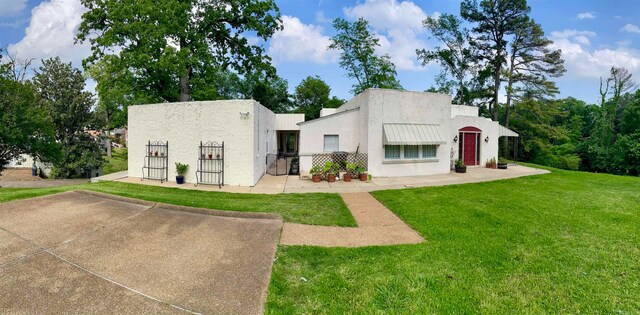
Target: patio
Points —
{"points": [[293, 184]]}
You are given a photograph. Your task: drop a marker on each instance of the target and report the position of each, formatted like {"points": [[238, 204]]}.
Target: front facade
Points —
{"points": [[247, 129], [401, 133]]}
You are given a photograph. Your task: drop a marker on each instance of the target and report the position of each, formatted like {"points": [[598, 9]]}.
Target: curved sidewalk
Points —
{"points": [[376, 226]]}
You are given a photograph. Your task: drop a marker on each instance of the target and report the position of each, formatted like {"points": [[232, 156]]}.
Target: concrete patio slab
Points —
{"points": [[204, 263], [294, 184], [87, 253], [44, 284], [52, 220]]}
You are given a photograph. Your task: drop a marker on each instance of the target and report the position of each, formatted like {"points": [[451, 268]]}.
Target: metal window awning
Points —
{"points": [[506, 132], [412, 134]]}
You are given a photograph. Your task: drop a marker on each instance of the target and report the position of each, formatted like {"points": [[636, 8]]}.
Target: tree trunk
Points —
{"points": [[108, 143], [185, 94], [496, 105]]}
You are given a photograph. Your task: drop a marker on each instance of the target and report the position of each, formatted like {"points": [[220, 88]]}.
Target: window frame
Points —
{"points": [[324, 143], [402, 157]]}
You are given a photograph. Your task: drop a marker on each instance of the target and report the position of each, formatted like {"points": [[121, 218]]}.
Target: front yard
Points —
{"points": [[565, 242]]}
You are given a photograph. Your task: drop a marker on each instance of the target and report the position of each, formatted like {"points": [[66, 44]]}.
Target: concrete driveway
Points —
{"points": [[85, 253]]}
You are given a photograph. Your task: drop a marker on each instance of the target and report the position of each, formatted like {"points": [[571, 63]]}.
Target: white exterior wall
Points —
{"points": [[464, 110], [312, 136], [391, 106], [288, 121], [265, 140], [327, 111], [184, 125], [488, 127]]}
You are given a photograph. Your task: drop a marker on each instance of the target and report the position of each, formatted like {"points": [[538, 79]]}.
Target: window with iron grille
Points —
{"points": [[411, 151], [391, 152], [429, 151]]}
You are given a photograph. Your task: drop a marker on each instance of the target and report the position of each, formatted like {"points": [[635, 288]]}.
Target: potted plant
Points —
{"points": [[181, 170], [502, 163], [316, 173], [460, 167], [295, 166], [351, 169], [362, 173], [162, 153], [330, 170], [155, 153], [210, 155], [491, 163], [218, 156]]}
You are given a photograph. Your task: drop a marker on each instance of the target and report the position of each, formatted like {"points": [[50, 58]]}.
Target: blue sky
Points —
{"points": [[593, 35]]}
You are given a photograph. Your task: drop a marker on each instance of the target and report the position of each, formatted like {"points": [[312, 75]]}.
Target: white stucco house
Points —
{"points": [[400, 133], [249, 131]]}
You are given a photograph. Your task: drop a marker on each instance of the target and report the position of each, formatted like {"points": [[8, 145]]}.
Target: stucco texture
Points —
{"points": [[247, 139]]}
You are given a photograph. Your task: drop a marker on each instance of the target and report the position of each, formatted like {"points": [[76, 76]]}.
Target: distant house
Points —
{"points": [[400, 133]]}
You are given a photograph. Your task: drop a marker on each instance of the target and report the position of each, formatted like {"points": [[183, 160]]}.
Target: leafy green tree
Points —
{"points": [[62, 98], [531, 63], [335, 102], [496, 21], [166, 46], [357, 56], [114, 95], [457, 59], [24, 129], [312, 94]]}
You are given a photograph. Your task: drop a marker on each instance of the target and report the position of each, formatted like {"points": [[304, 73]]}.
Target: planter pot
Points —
{"points": [[331, 178], [346, 177], [363, 177], [502, 166], [494, 166], [316, 178], [179, 180], [155, 153], [210, 156], [461, 169], [217, 156]]}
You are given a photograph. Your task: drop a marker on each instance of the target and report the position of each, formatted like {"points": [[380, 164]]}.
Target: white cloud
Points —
{"points": [[51, 32], [631, 28], [300, 42], [11, 7], [321, 18], [583, 61], [586, 15], [397, 24]]}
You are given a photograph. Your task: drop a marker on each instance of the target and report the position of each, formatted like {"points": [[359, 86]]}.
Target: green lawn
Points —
{"points": [[318, 209], [117, 162], [565, 242]]}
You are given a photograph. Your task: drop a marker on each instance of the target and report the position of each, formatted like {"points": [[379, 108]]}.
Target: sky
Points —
{"points": [[592, 34]]}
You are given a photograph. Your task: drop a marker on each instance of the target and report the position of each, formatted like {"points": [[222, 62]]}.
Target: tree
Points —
{"points": [[496, 21], [531, 62], [62, 98], [457, 59], [167, 45], [312, 94], [114, 95], [357, 56], [18, 68], [23, 128]]}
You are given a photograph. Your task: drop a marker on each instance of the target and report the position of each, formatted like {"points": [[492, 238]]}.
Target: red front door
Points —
{"points": [[470, 150]]}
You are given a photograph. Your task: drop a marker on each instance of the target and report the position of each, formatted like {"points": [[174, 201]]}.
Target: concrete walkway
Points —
{"points": [[293, 184], [376, 226]]}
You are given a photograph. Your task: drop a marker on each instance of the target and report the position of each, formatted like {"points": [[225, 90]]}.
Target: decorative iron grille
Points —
{"points": [[156, 161], [341, 158], [210, 164]]}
